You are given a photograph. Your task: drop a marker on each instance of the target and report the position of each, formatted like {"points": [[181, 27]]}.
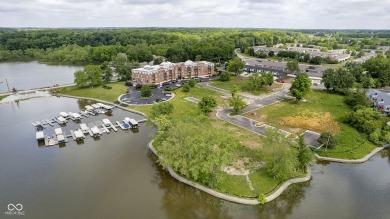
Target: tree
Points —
{"points": [[281, 159], [271, 53], [300, 86], [192, 82], [237, 103], [327, 140], [338, 80], [293, 66], [365, 120], [120, 64], [234, 90], [90, 76], [106, 72], [207, 104], [197, 151], [255, 81], [186, 87], [235, 65], [146, 91], [225, 76], [268, 78], [305, 155], [165, 108], [356, 99]]}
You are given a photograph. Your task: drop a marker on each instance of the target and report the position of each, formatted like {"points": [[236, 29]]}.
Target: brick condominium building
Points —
{"points": [[167, 71]]}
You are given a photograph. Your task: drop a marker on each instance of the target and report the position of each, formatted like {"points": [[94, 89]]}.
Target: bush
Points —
{"points": [[207, 104], [128, 83], [224, 76], [327, 140], [262, 199], [186, 87], [157, 100], [146, 91], [138, 86], [107, 87], [192, 82]]}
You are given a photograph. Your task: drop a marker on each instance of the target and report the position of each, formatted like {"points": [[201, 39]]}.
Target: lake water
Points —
{"points": [[28, 75], [117, 177]]}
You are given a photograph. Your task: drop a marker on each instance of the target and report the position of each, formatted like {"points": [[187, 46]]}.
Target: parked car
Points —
{"points": [[280, 81]]}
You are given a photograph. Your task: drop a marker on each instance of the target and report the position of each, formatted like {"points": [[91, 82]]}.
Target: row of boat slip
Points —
{"points": [[94, 129], [62, 119]]}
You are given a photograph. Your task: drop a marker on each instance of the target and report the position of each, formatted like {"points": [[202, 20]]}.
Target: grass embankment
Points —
{"points": [[241, 83], [110, 95], [2, 97], [322, 112], [250, 143], [236, 185]]}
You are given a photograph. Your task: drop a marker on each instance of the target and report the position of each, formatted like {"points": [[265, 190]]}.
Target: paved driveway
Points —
{"points": [[134, 96]]}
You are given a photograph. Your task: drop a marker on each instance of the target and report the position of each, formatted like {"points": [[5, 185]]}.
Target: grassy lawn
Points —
{"points": [[351, 143], [110, 95], [250, 142], [2, 97], [241, 82]]}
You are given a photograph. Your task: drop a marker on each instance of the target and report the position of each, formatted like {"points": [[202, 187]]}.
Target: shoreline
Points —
{"points": [[227, 197]]}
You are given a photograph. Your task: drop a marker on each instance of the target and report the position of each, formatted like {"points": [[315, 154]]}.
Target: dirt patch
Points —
{"points": [[243, 167], [251, 143], [319, 122]]}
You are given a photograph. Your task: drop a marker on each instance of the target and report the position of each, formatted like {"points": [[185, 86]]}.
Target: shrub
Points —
{"points": [[146, 91], [262, 199], [128, 83], [186, 87], [107, 87], [138, 86], [192, 82], [327, 139], [224, 76], [207, 104]]}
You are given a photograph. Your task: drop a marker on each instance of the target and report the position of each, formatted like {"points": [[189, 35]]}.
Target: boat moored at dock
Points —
{"points": [[132, 122], [40, 136]]}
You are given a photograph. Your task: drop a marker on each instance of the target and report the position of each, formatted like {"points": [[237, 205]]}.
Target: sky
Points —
{"points": [[294, 14]]}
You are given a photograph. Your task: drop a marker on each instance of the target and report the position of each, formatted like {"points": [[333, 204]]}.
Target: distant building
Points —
{"points": [[333, 54], [167, 71], [303, 49], [267, 49], [364, 58]]}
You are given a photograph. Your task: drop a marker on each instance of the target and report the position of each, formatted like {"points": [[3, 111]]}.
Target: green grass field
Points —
{"points": [[2, 97], [351, 143], [110, 95], [241, 82]]}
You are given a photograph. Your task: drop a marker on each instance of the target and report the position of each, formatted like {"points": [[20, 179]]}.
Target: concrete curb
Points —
{"points": [[361, 160], [230, 198], [146, 104]]}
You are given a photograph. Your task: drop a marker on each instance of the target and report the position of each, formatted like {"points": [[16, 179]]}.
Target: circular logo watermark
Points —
{"points": [[15, 209]]}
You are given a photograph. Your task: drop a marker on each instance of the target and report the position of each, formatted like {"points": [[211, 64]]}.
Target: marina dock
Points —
{"points": [[93, 129]]}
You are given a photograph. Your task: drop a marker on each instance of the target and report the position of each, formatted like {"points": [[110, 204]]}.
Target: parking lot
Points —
{"points": [[134, 95]]}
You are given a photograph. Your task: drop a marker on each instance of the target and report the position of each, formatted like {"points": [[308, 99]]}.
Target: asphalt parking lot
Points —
{"points": [[134, 95]]}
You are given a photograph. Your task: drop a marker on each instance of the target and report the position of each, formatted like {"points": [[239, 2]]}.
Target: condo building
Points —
{"points": [[167, 71]]}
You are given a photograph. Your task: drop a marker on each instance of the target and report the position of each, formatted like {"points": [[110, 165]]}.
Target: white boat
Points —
{"points": [[106, 107], [131, 122], [64, 114], [58, 131], [84, 127], [76, 116], [61, 120], [60, 138], [40, 136], [89, 108], [95, 106], [107, 122], [79, 134], [95, 131]]}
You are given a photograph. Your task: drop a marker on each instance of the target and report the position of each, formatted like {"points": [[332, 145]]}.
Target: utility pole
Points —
{"points": [[7, 84]]}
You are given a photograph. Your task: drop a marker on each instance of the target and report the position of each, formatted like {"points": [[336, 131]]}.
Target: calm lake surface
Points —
{"points": [[117, 177], [28, 75]]}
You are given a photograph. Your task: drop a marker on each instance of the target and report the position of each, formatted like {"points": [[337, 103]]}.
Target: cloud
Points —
{"points": [[368, 14]]}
